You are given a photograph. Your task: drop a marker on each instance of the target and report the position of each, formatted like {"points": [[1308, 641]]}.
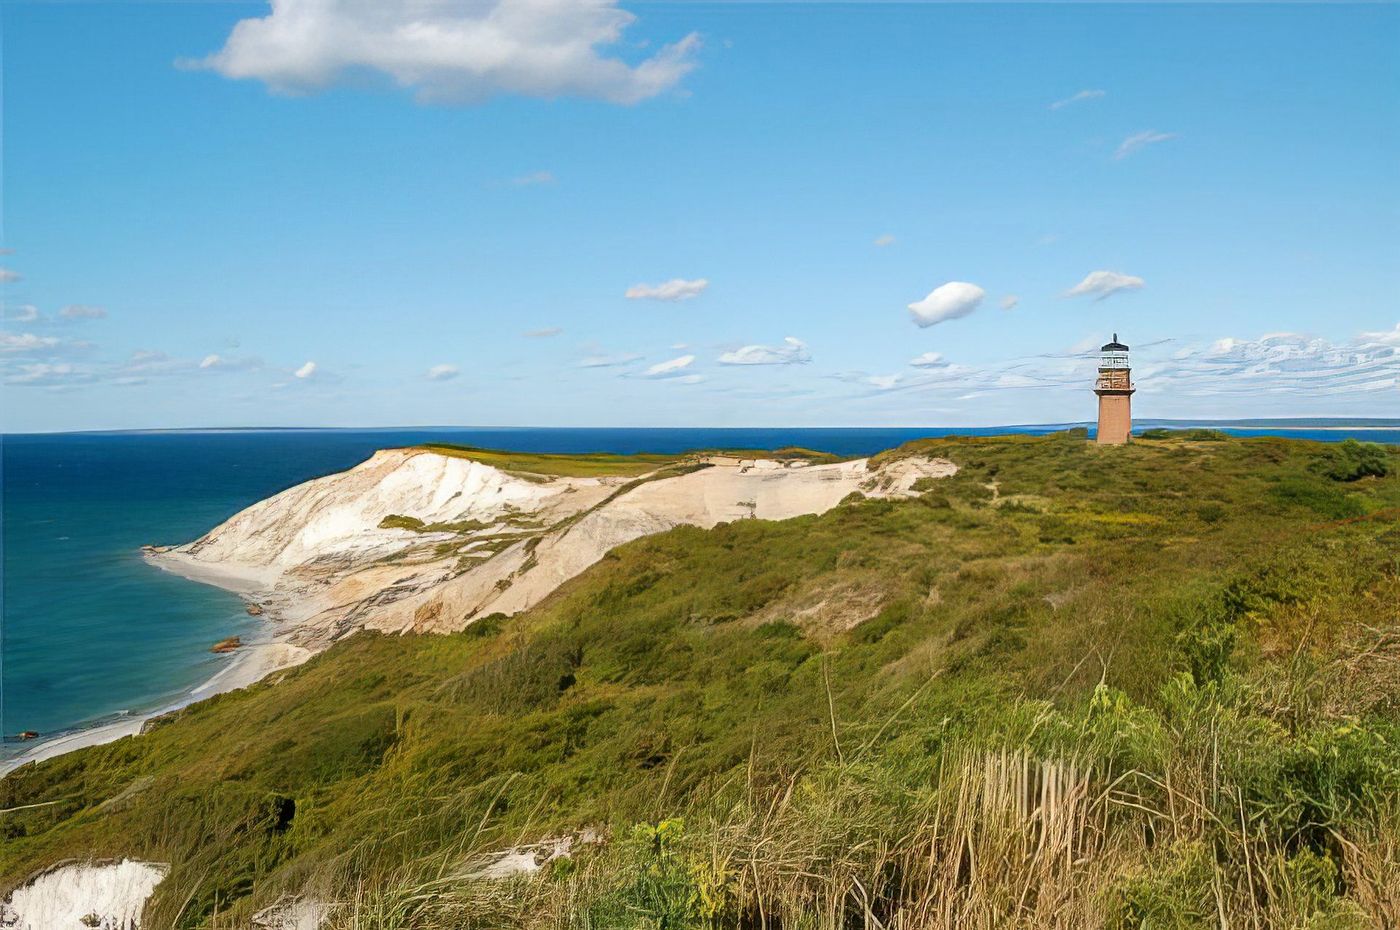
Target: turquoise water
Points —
{"points": [[91, 631]]}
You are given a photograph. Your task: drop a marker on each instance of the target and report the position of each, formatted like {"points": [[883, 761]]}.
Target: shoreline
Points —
{"points": [[252, 662]]}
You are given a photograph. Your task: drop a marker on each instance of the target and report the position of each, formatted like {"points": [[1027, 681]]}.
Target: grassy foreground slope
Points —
{"points": [[1145, 686]]}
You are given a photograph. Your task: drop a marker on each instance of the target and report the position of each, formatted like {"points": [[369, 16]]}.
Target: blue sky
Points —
{"points": [[429, 211]]}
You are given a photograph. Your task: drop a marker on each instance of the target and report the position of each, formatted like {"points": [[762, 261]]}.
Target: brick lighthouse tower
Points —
{"points": [[1115, 390]]}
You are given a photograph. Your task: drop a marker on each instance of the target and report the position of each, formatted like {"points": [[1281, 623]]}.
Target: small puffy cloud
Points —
{"points": [[793, 351], [673, 290], [1103, 284], [1080, 97], [210, 361], [542, 333], [450, 51], [24, 313], [668, 368], [884, 241], [928, 360], [82, 312], [7, 275], [606, 360], [25, 343], [1141, 140], [533, 179], [947, 302], [443, 372], [1010, 301], [883, 382], [305, 371]]}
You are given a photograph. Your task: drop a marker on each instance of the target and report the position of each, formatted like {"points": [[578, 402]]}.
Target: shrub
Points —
{"points": [[1351, 461]]}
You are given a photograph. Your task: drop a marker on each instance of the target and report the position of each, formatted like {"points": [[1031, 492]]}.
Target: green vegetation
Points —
{"points": [[1351, 461], [397, 521], [604, 464], [1196, 434], [1146, 686], [591, 465]]}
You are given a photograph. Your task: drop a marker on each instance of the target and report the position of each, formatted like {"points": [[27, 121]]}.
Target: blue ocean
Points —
{"points": [[90, 631]]}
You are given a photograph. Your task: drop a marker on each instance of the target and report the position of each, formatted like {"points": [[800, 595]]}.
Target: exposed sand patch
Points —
{"points": [[109, 896]]}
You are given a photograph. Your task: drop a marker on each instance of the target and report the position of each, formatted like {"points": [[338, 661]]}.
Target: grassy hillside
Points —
{"points": [[1145, 686]]}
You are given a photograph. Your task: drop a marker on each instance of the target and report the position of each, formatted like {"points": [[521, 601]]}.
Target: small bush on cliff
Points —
{"points": [[1351, 461]]}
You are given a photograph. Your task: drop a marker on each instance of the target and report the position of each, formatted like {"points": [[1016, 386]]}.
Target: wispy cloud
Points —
{"points": [[885, 241], [929, 360], [947, 302], [672, 290], [607, 360], [443, 372], [1141, 140], [543, 333], [7, 276], [44, 373], [1010, 302], [24, 313], [533, 179], [1080, 97], [793, 351], [25, 343], [1102, 284], [670, 368], [449, 52], [82, 312]]}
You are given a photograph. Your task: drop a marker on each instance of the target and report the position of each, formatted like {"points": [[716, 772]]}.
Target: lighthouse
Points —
{"points": [[1115, 390]]}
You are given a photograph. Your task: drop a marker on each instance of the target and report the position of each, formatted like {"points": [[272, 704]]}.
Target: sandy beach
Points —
{"points": [[250, 664]]}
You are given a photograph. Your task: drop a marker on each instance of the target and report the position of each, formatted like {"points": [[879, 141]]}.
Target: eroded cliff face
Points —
{"points": [[464, 539]]}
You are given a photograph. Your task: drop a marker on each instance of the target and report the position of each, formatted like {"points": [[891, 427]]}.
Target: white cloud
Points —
{"points": [[82, 312], [883, 382], [605, 360], [443, 372], [1010, 301], [928, 360], [1281, 363], [1141, 140], [24, 313], [43, 373], [1105, 284], [947, 302], [211, 362], [306, 371], [450, 51], [1389, 337], [887, 239], [1078, 98], [533, 178], [688, 379], [793, 351], [543, 333], [6, 276], [25, 343], [662, 369], [674, 289]]}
